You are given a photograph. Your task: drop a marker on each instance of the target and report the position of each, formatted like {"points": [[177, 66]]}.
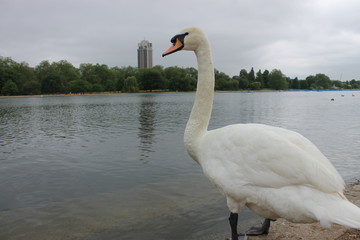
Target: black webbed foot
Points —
{"points": [[262, 230], [254, 231]]}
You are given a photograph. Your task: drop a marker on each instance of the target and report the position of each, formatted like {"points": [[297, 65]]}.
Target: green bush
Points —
{"points": [[9, 88]]}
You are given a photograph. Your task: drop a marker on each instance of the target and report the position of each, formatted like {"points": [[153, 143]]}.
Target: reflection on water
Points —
{"points": [[147, 120], [114, 167]]}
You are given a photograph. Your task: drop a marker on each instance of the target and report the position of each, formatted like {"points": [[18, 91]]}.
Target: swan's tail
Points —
{"points": [[338, 210], [302, 204]]}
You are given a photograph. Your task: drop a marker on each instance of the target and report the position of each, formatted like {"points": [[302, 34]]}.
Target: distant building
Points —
{"points": [[145, 56]]}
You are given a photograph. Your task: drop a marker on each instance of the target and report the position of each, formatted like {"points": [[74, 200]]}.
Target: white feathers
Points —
{"points": [[273, 171]]}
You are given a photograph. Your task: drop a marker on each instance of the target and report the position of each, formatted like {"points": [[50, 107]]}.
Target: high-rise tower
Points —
{"points": [[145, 54]]}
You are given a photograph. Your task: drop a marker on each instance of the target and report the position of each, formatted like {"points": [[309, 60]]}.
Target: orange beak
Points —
{"points": [[178, 45]]}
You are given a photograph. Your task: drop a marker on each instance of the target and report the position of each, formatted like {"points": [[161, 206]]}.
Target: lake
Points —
{"points": [[114, 166]]}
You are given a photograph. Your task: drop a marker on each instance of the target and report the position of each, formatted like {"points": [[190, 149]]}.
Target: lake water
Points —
{"points": [[114, 166]]}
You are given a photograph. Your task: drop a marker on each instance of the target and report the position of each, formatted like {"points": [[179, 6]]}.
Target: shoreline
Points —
{"points": [[171, 92]]}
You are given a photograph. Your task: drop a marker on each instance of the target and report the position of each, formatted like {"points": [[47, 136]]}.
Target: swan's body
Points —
{"points": [[273, 171], [276, 172]]}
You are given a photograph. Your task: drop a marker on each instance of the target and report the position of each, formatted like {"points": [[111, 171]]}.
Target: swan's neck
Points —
{"points": [[200, 114]]}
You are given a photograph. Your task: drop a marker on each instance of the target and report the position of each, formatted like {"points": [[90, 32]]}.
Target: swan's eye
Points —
{"points": [[180, 37]]}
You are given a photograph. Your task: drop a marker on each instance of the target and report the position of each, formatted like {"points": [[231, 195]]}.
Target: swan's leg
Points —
{"points": [[263, 230], [233, 220]]}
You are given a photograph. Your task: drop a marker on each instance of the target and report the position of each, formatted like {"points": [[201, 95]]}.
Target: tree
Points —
{"points": [[130, 71], [295, 84], [9, 88], [67, 72], [322, 81], [259, 78], [255, 85], [224, 82], [31, 87], [355, 84], [26, 80], [310, 80], [319, 81], [244, 73], [96, 87], [191, 74], [151, 79], [178, 79], [63, 77], [277, 80], [7, 71], [51, 83], [42, 69], [50, 78], [99, 76], [266, 78], [251, 76], [303, 84], [106, 77], [119, 77], [130, 85], [243, 80], [79, 86], [87, 73], [18, 73]]}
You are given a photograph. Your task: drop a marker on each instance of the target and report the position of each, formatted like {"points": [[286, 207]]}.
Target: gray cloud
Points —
{"points": [[298, 37]]}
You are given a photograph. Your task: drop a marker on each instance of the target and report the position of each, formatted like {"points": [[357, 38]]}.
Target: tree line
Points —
{"points": [[62, 77]]}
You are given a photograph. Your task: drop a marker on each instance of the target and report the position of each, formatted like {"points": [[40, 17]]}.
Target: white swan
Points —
{"points": [[275, 172]]}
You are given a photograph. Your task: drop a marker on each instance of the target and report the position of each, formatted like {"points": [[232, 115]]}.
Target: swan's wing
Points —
{"points": [[264, 156]]}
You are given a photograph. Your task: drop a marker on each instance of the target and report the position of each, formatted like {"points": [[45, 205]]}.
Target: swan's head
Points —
{"points": [[187, 39]]}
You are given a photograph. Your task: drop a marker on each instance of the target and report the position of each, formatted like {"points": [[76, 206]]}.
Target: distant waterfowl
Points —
{"points": [[275, 172], [332, 99]]}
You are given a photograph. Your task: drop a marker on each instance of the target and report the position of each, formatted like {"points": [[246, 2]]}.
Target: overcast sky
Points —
{"points": [[300, 38]]}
